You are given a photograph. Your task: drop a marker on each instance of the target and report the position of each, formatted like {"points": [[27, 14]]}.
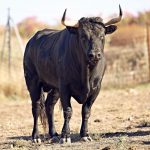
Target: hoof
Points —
{"points": [[38, 140], [65, 141], [54, 139], [86, 139]]}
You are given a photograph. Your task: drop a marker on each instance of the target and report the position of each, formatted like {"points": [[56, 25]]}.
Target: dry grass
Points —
{"points": [[128, 35], [12, 84]]}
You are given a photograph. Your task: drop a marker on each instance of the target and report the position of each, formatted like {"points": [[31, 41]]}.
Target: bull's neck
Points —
{"points": [[81, 61]]}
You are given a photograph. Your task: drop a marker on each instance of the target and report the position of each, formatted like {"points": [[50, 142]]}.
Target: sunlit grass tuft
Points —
{"points": [[12, 83]]}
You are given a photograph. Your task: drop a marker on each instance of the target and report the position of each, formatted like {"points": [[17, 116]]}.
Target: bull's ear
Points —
{"points": [[72, 30], [110, 29]]}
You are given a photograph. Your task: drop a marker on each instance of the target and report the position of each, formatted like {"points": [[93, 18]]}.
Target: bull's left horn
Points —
{"points": [[115, 20], [69, 23]]}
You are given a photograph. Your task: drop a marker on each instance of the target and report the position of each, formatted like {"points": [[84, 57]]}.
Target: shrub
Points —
{"points": [[128, 35], [29, 26]]}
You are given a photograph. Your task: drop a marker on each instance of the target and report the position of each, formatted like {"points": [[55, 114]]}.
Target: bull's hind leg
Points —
{"points": [[51, 100], [36, 98]]}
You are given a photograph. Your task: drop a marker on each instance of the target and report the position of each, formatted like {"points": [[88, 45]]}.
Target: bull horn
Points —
{"points": [[115, 20], [74, 24]]}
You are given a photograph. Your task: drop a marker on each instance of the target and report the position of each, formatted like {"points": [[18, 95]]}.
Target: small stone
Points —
{"points": [[97, 120], [129, 127], [106, 148], [130, 118], [132, 148]]}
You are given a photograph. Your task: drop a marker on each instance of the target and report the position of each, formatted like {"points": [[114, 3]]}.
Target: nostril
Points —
{"points": [[99, 55], [91, 56]]}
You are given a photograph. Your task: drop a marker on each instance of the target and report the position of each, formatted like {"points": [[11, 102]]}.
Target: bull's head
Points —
{"points": [[91, 32]]}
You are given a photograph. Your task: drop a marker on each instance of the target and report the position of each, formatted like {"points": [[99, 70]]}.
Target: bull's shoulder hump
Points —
{"points": [[45, 32]]}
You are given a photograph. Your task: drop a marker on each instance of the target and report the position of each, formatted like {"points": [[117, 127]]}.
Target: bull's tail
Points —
{"points": [[43, 116]]}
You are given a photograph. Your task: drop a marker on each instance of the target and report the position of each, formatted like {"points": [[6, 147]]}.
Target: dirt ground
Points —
{"points": [[120, 120]]}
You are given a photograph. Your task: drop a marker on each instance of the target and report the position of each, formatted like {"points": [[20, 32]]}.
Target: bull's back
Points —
{"points": [[41, 56], [39, 41]]}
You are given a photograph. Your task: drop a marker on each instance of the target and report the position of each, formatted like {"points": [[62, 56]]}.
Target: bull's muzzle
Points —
{"points": [[94, 57]]}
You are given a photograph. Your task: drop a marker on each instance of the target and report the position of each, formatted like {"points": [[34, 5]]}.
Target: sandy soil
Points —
{"points": [[120, 119]]}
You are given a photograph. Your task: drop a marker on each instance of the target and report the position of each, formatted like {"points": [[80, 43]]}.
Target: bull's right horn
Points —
{"points": [[74, 24]]}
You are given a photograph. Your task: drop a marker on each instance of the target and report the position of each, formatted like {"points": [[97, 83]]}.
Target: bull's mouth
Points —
{"points": [[93, 62]]}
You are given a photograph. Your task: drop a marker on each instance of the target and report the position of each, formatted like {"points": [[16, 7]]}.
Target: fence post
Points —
{"points": [[9, 41], [148, 46]]}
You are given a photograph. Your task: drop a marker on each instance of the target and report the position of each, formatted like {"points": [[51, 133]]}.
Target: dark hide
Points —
{"points": [[67, 63]]}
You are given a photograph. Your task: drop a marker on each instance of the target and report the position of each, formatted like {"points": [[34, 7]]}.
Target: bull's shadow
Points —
{"points": [[95, 136], [26, 138], [74, 137], [129, 134], [146, 142]]}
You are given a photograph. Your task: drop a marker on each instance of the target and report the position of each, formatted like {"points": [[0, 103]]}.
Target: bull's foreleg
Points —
{"points": [[67, 111], [65, 134], [51, 100], [86, 111]]}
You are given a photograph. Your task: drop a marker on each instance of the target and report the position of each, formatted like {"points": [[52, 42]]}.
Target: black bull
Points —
{"points": [[66, 63]]}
